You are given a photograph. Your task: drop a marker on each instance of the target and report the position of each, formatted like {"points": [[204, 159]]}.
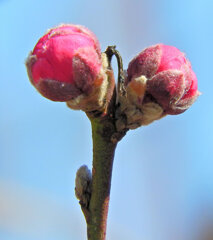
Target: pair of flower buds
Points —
{"points": [[67, 65]]}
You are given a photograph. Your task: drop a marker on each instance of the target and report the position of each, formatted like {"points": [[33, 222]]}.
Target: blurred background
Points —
{"points": [[162, 186]]}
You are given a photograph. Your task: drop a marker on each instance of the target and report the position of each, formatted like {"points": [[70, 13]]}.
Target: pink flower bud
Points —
{"points": [[159, 81], [170, 81], [66, 64]]}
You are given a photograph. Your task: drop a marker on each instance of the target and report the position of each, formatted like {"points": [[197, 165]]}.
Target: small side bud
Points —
{"points": [[83, 185]]}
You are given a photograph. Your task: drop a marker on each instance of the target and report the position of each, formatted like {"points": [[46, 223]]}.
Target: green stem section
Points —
{"points": [[103, 156]]}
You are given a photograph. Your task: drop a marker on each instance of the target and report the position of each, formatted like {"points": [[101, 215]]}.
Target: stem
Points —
{"points": [[103, 156], [105, 138], [110, 51]]}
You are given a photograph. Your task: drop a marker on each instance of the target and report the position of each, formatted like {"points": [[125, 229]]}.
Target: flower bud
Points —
{"points": [[83, 185], [66, 65], [159, 81]]}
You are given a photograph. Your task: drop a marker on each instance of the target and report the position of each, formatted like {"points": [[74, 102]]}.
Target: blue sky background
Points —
{"points": [[162, 186]]}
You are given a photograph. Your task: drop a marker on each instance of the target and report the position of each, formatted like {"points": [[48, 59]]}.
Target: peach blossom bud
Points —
{"points": [[66, 65], [170, 79], [159, 81]]}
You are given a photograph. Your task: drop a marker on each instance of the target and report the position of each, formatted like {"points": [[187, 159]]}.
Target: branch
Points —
{"points": [[110, 51], [105, 138], [103, 156]]}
